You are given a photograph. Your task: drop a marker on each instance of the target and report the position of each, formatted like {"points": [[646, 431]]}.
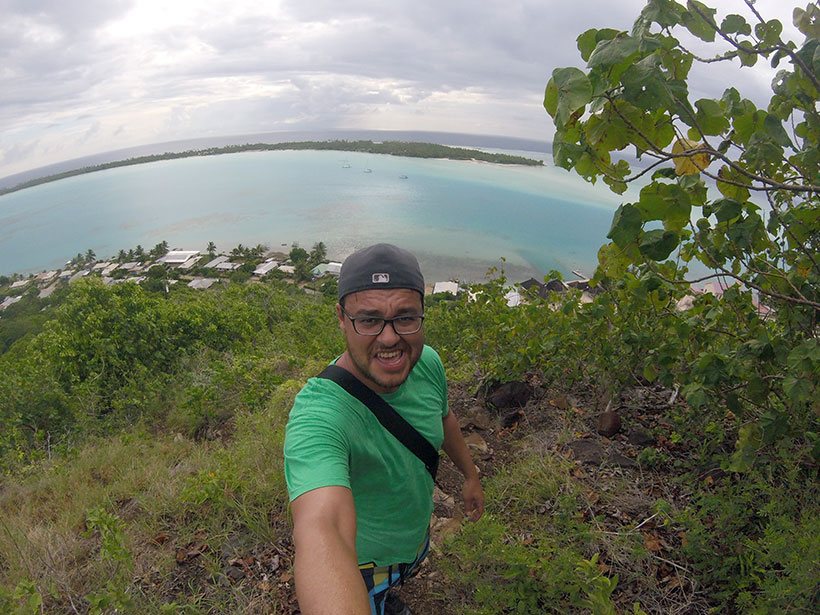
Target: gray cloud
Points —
{"points": [[83, 77]]}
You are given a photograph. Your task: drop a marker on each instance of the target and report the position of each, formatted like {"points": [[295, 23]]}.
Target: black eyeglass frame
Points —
{"points": [[353, 319]]}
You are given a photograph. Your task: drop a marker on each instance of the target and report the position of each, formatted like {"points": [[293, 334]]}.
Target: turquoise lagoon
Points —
{"points": [[461, 218]]}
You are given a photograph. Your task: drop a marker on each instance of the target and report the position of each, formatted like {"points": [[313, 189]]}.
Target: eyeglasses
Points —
{"points": [[371, 325]]}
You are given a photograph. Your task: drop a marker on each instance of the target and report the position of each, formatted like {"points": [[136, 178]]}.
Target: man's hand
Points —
{"points": [[473, 498], [457, 450]]}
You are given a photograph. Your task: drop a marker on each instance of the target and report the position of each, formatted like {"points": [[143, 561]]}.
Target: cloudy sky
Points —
{"points": [[79, 77]]}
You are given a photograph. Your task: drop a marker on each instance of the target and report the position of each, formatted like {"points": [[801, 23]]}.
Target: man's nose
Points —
{"points": [[389, 333]]}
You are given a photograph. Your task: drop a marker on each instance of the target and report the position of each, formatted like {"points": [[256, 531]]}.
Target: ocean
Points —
{"points": [[460, 218]]}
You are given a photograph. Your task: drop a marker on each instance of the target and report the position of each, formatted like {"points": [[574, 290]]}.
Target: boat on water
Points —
{"points": [[402, 177], [368, 171], [345, 166]]}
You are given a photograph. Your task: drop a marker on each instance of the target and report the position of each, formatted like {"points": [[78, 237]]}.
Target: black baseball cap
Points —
{"points": [[380, 266]]}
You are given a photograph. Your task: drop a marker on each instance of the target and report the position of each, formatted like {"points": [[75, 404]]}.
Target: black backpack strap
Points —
{"points": [[391, 420]]}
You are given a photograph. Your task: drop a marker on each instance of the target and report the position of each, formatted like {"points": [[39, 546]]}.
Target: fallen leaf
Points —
{"points": [[161, 538], [285, 577], [652, 542]]}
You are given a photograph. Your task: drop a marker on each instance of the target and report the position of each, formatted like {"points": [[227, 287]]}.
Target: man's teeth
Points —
{"points": [[389, 355]]}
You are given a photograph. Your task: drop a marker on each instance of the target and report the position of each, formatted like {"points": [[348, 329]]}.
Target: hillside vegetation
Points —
{"points": [[142, 430]]}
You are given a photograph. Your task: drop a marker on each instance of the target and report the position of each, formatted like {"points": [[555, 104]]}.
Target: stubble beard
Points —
{"points": [[363, 366]]}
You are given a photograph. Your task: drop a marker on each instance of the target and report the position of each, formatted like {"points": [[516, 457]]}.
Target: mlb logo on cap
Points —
{"points": [[381, 278]]}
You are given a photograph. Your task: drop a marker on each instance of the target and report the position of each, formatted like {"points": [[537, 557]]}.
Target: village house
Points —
{"points": [[265, 268], [222, 263], [9, 301], [202, 283], [331, 268], [45, 276], [446, 287], [180, 259]]}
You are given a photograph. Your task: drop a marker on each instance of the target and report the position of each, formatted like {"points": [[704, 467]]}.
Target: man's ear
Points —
{"points": [[340, 315]]}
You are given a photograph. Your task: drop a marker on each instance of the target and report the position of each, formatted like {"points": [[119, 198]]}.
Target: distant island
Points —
{"points": [[393, 148]]}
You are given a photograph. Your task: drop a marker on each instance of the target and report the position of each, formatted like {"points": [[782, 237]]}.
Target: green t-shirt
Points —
{"points": [[332, 439]]}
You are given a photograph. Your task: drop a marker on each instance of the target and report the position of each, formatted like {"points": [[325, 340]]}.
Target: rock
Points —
{"points": [[639, 437], [616, 459], [561, 402], [609, 423], [511, 419], [440, 528], [444, 504], [476, 443], [475, 417], [510, 395], [232, 546], [234, 573], [587, 451]]}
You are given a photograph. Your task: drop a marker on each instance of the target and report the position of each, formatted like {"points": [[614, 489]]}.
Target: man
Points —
{"points": [[361, 501]]}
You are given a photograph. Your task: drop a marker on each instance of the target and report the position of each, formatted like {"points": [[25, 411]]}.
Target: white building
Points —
{"points": [[331, 268], [202, 283], [265, 268], [183, 259], [20, 283], [45, 276], [47, 292], [446, 287], [80, 274], [287, 269], [9, 301], [217, 261]]}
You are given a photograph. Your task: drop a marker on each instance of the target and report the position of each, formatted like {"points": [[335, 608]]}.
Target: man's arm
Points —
{"points": [[328, 580], [457, 450]]}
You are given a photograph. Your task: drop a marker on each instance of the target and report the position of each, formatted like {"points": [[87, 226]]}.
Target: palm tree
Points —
{"points": [[90, 257], [211, 249]]}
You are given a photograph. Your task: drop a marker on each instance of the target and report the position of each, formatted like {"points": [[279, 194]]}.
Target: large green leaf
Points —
{"points": [[769, 32], [568, 91], [774, 128], [710, 117], [565, 154], [610, 53], [668, 203], [732, 190], [645, 85], [609, 130], [626, 225], [699, 19], [807, 21], [735, 24], [590, 39], [658, 244], [665, 13], [727, 209]]}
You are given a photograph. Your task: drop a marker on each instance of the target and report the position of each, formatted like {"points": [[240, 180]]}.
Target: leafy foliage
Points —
{"points": [[732, 189]]}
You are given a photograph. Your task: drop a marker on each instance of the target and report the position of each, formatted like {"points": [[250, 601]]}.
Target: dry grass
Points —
{"points": [[154, 485]]}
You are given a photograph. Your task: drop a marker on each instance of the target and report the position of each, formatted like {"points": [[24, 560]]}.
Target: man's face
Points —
{"points": [[382, 361]]}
